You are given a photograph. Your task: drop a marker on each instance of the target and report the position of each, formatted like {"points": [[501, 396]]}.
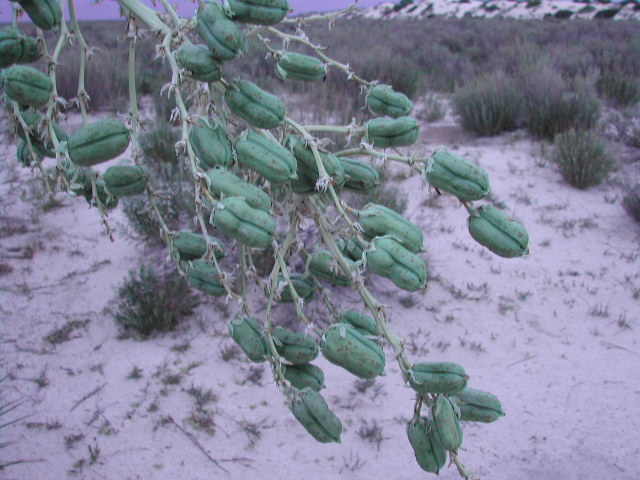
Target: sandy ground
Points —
{"points": [[554, 335]]}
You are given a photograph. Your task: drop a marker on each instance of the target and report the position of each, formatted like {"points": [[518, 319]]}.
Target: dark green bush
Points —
{"points": [[619, 89], [552, 107], [631, 202], [582, 157], [152, 301], [489, 105]]}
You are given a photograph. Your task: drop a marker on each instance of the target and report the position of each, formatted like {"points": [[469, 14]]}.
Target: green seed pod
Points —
{"points": [[323, 265], [268, 158], [257, 107], [452, 173], [26, 85], [352, 248], [344, 346], [304, 184], [211, 146], [205, 277], [296, 348], [502, 235], [46, 14], [248, 335], [98, 142], [389, 132], [300, 67], [251, 227], [16, 47], [311, 410], [478, 406], [124, 180], [377, 221], [446, 425], [384, 100], [430, 455], [437, 377], [360, 176], [259, 12], [109, 201], [39, 139], [79, 179], [200, 62], [364, 324], [307, 163], [225, 38], [24, 155], [302, 284], [390, 259], [192, 246], [223, 182], [304, 376]]}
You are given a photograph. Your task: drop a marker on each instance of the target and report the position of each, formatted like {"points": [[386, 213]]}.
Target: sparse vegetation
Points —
{"points": [[153, 301]]}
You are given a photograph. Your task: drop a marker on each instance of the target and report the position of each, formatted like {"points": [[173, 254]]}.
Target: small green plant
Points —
{"points": [[152, 301], [582, 157], [489, 105], [631, 202], [619, 89]]}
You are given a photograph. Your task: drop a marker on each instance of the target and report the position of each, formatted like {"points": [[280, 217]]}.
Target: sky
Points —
{"points": [[108, 9]]}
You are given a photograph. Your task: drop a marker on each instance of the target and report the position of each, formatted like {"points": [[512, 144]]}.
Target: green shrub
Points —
{"points": [[489, 105], [175, 204], [152, 301], [551, 107], [619, 89], [583, 158], [631, 202], [157, 144]]}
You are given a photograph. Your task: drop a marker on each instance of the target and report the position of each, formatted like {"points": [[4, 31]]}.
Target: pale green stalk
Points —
{"points": [[83, 97]]}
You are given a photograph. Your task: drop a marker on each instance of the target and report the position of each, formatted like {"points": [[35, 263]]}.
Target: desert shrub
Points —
{"points": [[619, 89], [551, 107], [153, 301], [631, 202], [489, 105], [392, 69], [582, 157], [175, 204], [157, 144], [433, 109]]}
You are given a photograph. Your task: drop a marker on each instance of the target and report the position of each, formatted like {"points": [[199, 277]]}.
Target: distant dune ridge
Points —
{"points": [[561, 9]]}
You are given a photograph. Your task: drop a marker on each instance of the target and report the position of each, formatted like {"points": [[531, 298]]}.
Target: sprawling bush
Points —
{"points": [[582, 157], [489, 105], [620, 90], [552, 107], [151, 301]]}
